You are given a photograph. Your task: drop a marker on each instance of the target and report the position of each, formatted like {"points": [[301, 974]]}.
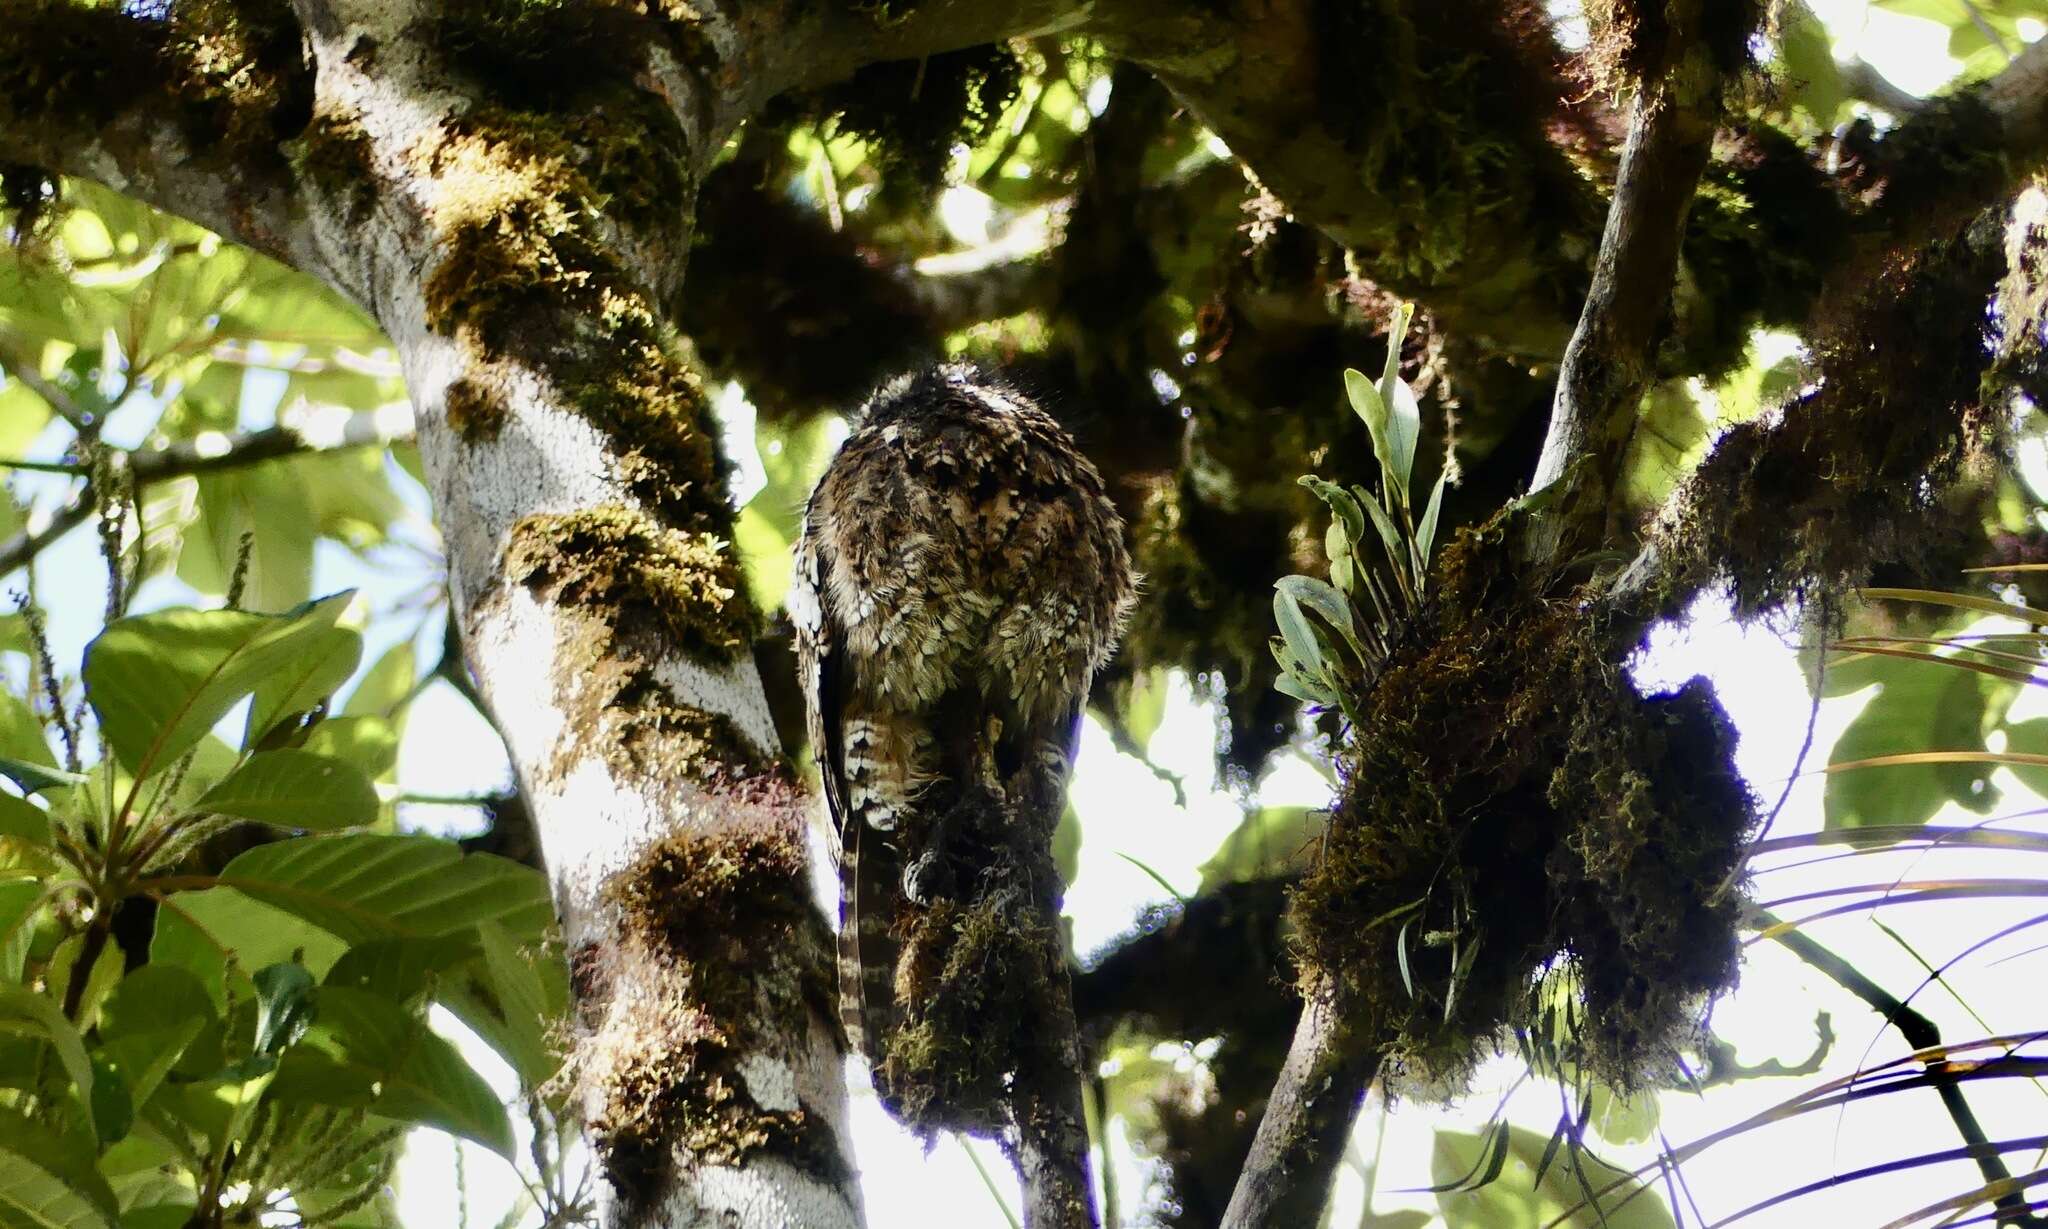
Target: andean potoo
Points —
{"points": [[960, 576]]}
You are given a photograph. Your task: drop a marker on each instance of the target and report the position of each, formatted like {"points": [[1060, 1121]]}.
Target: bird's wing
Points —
{"points": [[868, 862]]}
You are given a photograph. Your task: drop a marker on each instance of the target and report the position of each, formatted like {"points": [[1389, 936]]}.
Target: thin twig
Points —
{"points": [[207, 454]]}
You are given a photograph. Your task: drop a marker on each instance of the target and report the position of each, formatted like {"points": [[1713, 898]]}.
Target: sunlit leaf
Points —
{"points": [[46, 1182], [158, 682], [370, 885], [368, 1051]]}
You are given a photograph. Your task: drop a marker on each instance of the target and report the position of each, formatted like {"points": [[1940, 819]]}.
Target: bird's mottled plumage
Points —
{"points": [[960, 577]]}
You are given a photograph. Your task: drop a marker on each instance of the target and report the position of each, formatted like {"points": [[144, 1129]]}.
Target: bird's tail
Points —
{"points": [[870, 868]]}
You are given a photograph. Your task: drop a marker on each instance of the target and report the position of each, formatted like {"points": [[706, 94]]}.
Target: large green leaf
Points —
{"points": [[371, 885], [525, 994], [296, 789], [1921, 706], [47, 1182], [148, 1021], [199, 931], [263, 503], [21, 733], [17, 929], [26, 1013], [385, 685], [306, 682], [1510, 1201], [367, 1051], [404, 970], [1270, 841], [158, 682], [369, 743]]}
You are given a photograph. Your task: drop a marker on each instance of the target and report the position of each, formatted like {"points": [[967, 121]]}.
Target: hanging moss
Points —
{"points": [[1848, 475], [1514, 812], [915, 111]]}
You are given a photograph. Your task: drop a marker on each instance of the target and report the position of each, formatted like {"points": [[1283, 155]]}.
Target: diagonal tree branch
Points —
{"points": [[207, 454]]}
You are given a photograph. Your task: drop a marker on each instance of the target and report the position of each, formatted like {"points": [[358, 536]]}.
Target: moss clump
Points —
{"points": [[634, 572], [915, 111], [715, 932], [333, 153], [475, 412], [63, 59], [1849, 474], [529, 272], [240, 68], [1514, 809], [972, 989]]}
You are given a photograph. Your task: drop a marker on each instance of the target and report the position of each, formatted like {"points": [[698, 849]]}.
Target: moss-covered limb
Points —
{"points": [[1445, 109], [1850, 473], [716, 934], [185, 106], [1612, 355], [984, 1038]]}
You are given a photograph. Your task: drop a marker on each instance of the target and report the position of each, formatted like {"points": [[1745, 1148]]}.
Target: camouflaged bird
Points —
{"points": [[960, 576]]}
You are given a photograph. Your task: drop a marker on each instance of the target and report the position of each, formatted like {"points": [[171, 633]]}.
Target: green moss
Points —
{"points": [[529, 273], [1513, 812], [475, 412], [63, 59], [333, 154], [625, 568], [973, 991], [240, 68], [716, 932]]}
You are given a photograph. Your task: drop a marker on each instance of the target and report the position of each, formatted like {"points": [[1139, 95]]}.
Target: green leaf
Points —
{"points": [[403, 970], [29, 1014], [296, 789], [305, 683], [369, 743], [197, 931], [1343, 508], [159, 682], [21, 732], [1307, 690], [147, 1023], [385, 685], [367, 1051], [1301, 639], [372, 885], [263, 502], [17, 928], [284, 1006], [526, 993], [1513, 1197], [35, 778], [23, 822], [1371, 409], [1390, 534], [1404, 432], [1922, 706], [1332, 606], [1425, 533], [113, 1109], [47, 1182]]}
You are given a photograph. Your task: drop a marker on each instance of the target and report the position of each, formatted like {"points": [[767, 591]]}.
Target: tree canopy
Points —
{"points": [[1434, 354]]}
